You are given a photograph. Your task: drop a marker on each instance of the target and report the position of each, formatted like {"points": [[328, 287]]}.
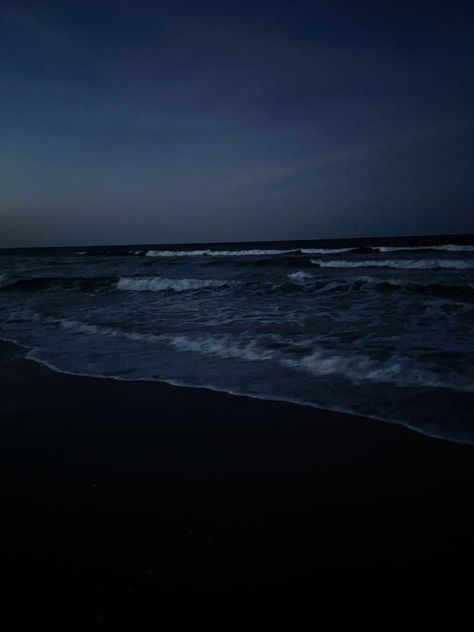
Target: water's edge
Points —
{"points": [[29, 356]]}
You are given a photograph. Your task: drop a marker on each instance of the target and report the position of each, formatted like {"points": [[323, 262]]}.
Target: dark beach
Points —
{"points": [[125, 490]]}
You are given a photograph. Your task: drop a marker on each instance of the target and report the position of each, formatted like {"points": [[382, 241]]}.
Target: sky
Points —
{"points": [[212, 121]]}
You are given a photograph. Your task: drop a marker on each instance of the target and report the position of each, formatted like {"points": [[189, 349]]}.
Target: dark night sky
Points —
{"points": [[128, 121]]}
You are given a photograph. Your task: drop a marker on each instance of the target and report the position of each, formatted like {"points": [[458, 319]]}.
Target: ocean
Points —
{"points": [[375, 327]]}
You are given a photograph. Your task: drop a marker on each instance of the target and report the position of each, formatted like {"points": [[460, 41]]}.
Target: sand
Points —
{"points": [[119, 491]]}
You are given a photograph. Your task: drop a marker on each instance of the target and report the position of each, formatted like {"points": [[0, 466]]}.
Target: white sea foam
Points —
{"points": [[356, 368], [324, 363], [402, 264], [345, 321], [36, 355], [159, 284], [360, 368], [216, 253], [222, 346], [245, 253], [305, 251], [324, 251], [444, 247], [300, 276], [81, 327]]}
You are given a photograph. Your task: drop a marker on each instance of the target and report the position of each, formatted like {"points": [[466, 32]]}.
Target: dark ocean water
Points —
{"points": [[382, 328]]}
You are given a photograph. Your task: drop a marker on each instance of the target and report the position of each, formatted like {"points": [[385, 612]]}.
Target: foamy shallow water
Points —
{"points": [[384, 331]]}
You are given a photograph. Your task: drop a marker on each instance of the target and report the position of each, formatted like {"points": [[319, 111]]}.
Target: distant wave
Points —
{"points": [[367, 249], [217, 253], [305, 251], [402, 264], [445, 247], [325, 251], [333, 251], [115, 252], [257, 252], [159, 284]]}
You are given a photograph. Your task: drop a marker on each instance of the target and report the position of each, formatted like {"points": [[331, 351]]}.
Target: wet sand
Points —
{"points": [[122, 491]]}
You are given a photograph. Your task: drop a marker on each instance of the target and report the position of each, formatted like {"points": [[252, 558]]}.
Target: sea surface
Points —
{"points": [[375, 327]]}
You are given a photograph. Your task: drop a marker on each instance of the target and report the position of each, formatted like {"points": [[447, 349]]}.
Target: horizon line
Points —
{"points": [[252, 241]]}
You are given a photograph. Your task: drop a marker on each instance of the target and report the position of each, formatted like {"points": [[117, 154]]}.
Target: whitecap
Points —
{"points": [[444, 247], [402, 264], [217, 253], [324, 251], [159, 284], [300, 276]]}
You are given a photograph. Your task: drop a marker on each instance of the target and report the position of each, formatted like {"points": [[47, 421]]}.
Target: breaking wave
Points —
{"points": [[222, 346], [360, 368], [257, 252], [381, 329], [152, 284], [402, 264], [217, 253], [159, 284], [445, 247], [325, 251], [357, 368]]}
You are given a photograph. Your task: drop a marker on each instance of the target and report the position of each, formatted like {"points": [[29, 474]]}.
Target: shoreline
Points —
{"points": [[187, 387], [110, 484]]}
